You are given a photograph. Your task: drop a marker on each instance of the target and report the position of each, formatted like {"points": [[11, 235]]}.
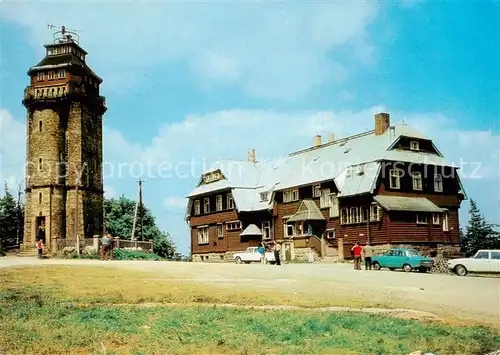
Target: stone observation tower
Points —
{"points": [[64, 185]]}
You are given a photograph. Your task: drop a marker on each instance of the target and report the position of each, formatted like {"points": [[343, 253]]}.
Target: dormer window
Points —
{"points": [[40, 76], [50, 51], [414, 145], [61, 74], [51, 75], [263, 196]]}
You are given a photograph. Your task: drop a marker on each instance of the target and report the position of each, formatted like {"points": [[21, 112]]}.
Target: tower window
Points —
{"points": [[40, 125], [40, 162], [61, 74], [40, 198], [51, 75], [40, 76]]}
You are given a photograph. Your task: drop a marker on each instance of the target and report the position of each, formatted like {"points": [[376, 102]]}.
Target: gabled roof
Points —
{"points": [[413, 204], [328, 162], [252, 229], [307, 211]]}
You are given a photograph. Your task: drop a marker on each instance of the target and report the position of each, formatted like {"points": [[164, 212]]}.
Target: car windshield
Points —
{"points": [[412, 252]]}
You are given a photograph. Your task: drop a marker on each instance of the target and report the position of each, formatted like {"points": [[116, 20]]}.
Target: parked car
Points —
{"points": [[402, 258], [252, 255], [487, 261]]}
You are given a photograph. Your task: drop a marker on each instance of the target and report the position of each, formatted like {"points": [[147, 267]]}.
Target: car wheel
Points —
{"points": [[407, 268], [461, 270], [272, 262], [238, 260], [376, 266], [392, 268]]}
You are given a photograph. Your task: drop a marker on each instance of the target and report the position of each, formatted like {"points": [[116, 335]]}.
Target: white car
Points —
{"points": [[487, 261], [252, 255]]}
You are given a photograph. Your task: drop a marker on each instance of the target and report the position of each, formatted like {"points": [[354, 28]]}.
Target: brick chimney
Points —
{"points": [[317, 140], [251, 155], [382, 123]]}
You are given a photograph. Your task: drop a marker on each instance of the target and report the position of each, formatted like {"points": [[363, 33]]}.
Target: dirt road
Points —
{"points": [[471, 299]]}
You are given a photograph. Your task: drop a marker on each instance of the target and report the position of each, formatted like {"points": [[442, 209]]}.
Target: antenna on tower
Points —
{"points": [[63, 34]]}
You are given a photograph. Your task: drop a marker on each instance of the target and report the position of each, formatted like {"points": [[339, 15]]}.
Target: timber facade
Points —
{"points": [[395, 188]]}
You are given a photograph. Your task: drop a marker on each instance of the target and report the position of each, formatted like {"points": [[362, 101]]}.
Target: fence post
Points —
{"points": [[118, 243], [78, 245]]}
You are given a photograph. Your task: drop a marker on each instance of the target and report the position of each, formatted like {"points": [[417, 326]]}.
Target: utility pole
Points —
{"points": [[141, 212]]}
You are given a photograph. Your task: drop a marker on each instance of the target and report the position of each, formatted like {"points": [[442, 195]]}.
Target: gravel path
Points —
{"points": [[470, 299]]}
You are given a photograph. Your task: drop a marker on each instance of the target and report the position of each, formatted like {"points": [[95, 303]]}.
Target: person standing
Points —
{"points": [[356, 249], [262, 253], [368, 253], [39, 247], [105, 242], [277, 250], [40, 232]]}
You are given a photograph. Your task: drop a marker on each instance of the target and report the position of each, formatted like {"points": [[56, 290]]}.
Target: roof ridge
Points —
{"points": [[340, 140]]}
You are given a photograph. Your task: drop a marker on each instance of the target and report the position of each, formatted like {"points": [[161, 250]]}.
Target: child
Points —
{"points": [[39, 247]]}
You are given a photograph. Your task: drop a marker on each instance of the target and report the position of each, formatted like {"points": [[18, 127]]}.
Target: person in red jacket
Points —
{"points": [[357, 250]]}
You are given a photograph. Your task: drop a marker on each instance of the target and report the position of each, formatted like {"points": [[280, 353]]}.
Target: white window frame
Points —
{"points": [[416, 178], [334, 205], [330, 234], [344, 215], [197, 207], [233, 225], [230, 201], [40, 76], [206, 205], [218, 203], [422, 218], [290, 195], [51, 75], [445, 222], [316, 190], [61, 73], [285, 230], [266, 227], [220, 230], [203, 235], [395, 173], [324, 199], [354, 215], [374, 212], [263, 196], [414, 145], [438, 183], [364, 214], [436, 218]]}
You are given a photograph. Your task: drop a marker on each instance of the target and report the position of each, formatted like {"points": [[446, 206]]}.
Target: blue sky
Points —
{"points": [[200, 81]]}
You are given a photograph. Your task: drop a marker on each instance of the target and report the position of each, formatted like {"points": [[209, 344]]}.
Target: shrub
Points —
{"points": [[122, 254]]}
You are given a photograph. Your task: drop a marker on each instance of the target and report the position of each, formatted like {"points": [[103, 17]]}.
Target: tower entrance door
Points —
{"points": [[40, 230]]}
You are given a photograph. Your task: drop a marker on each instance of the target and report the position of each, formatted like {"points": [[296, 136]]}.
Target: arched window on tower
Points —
{"points": [[40, 198], [40, 125]]}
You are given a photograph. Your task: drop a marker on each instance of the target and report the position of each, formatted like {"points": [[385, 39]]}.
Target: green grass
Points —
{"points": [[35, 320]]}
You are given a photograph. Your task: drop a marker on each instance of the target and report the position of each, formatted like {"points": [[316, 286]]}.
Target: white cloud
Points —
{"points": [[268, 49]]}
